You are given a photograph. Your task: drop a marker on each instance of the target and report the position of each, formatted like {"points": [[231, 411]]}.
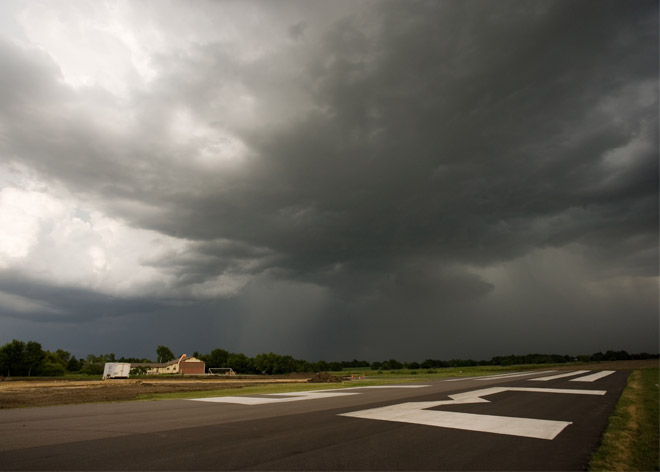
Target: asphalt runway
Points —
{"points": [[549, 420]]}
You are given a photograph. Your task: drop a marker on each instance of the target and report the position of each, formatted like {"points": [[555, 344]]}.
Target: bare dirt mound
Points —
{"points": [[323, 377]]}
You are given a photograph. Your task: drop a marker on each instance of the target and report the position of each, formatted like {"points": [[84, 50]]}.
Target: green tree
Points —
{"points": [[92, 368], [74, 365], [51, 365], [240, 363], [93, 365], [391, 364], [164, 354], [217, 358], [272, 363], [63, 357], [34, 355], [12, 358]]}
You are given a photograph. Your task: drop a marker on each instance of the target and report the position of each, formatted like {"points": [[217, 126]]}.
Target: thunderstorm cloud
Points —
{"points": [[337, 180]]}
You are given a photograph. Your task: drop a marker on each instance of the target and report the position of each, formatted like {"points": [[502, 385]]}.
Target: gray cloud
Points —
{"points": [[361, 180]]}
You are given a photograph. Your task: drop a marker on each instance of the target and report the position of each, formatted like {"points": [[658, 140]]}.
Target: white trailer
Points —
{"points": [[116, 370]]}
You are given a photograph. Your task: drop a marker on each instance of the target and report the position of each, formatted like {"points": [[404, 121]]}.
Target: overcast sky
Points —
{"points": [[331, 179]]}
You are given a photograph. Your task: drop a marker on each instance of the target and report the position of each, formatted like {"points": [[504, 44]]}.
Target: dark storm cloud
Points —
{"points": [[472, 161], [297, 31], [400, 152], [210, 258]]}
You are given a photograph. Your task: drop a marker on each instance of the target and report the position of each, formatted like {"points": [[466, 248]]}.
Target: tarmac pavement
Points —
{"points": [[548, 420]]}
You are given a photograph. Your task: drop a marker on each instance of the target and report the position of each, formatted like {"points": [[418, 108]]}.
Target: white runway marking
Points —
{"points": [[418, 413], [295, 396], [531, 428], [592, 377], [474, 395], [277, 397], [387, 386], [553, 377], [501, 376], [521, 374]]}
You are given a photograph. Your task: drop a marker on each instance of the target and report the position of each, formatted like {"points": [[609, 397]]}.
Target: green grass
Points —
{"points": [[271, 388], [631, 441], [373, 378], [438, 373]]}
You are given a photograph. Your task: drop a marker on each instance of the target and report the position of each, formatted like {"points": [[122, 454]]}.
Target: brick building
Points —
{"points": [[183, 366]]}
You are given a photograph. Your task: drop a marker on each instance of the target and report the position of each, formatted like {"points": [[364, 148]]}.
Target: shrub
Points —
{"points": [[50, 369]]}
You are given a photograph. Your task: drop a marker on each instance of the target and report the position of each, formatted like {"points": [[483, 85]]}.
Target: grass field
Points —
{"points": [[368, 378], [278, 388], [632, 439], [439, 373], [371, 377]]}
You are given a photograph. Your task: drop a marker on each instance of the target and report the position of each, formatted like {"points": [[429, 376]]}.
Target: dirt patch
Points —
{"points": [[19, 394], [323, 377]]}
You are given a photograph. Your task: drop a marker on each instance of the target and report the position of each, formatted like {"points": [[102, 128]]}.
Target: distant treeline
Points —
{"points": [[19, 358]]}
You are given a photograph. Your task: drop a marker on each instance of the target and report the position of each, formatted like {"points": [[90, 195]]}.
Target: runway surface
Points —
{"points": [[550, 420]]}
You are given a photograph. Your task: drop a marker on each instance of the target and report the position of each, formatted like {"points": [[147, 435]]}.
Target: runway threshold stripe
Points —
{"points": [[499, 376], [296, 396], [559, 376], [387, 386], [526, 427], [593, 377], [276, 397], [508, 376], [484, 377]]}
